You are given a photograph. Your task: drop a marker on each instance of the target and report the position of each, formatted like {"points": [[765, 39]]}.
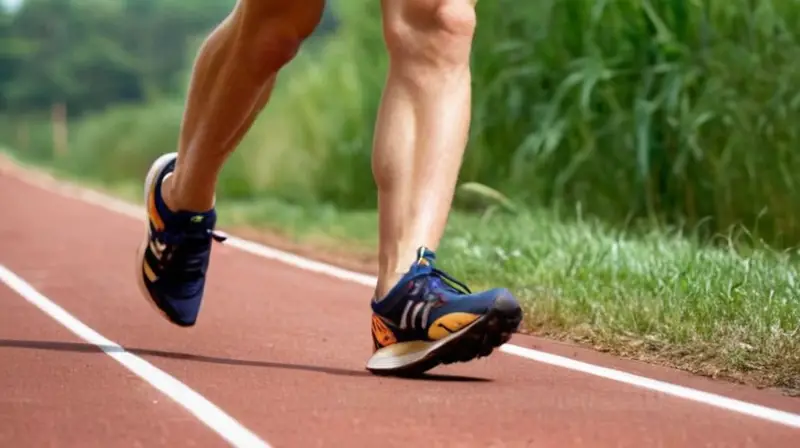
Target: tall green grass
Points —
{"points": [[684, 111], [671, 110], [667, 110]]}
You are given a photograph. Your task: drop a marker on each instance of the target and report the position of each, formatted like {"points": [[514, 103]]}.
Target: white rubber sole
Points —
{"points": [[407, 355], [149, 183]]}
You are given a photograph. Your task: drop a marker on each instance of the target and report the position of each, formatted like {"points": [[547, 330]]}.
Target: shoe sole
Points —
{"points": [[477, 340], [155, 168]]}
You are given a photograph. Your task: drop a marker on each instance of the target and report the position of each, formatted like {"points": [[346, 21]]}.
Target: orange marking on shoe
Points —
{"points": [[382, 333], [152, 211], [148, 271], [450, 323]]}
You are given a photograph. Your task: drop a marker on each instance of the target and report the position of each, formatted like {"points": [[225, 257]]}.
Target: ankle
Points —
{"points": [[392, 267], [386, 281], [176, 199]]}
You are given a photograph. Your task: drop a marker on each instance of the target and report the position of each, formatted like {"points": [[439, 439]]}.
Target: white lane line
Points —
{"points": [[753, 410], [122, 207], [205, 411], [707, 398]]}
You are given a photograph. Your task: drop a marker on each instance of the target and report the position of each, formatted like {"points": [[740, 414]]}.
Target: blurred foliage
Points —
{"points": [[91, 54], [669, 111]]}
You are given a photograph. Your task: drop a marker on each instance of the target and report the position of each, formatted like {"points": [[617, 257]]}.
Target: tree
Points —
{"points": [[92, 53]]}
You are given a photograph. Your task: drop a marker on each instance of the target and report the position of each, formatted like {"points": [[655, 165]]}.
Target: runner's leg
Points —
{"points": [[231, 83], [422, 316], [422, 126]]}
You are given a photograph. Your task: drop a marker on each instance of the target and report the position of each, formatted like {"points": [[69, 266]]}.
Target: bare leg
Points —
{"points": [[231, 83], [422, 126], [232, 80]]}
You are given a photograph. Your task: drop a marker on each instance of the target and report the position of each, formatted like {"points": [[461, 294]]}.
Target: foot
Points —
{"points": [[425, 321], [172, 261]]}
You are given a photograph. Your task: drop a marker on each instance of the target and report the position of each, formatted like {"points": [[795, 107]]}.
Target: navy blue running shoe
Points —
{"points": [[173, 259], [429, 318]]}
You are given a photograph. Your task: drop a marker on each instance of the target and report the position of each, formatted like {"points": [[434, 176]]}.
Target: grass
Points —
{"points": [[660, 296], [720, 310]]}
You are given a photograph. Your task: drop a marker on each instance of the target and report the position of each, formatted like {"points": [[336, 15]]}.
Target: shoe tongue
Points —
{"points": [[425, 260], [193, 221]]}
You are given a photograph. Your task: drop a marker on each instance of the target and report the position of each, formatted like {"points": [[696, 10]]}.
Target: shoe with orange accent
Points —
{"points": [[172, 261], [425, 321]]}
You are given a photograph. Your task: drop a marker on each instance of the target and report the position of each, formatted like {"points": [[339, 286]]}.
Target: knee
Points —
{"points": [[269, 32], [431, 31]]}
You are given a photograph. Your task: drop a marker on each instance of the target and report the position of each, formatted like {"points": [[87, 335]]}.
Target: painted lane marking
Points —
{"points": [[205, 411], [127, 209]]}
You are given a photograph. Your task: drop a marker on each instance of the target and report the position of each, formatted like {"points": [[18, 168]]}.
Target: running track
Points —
{"points": [[279, 352]]}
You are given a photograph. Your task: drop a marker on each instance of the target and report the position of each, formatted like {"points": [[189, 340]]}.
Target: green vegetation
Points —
{"points": [[662, 296], [645, 148]]}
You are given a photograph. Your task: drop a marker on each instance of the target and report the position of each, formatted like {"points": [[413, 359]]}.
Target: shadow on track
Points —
{"points": [[90, 348]]}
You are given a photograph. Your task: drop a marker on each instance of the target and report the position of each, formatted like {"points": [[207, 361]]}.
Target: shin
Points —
{"points": [[231, 82], [422, 126]]}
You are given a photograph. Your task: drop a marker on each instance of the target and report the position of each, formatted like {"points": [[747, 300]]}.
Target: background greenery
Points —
{"points": [[681, 112]]}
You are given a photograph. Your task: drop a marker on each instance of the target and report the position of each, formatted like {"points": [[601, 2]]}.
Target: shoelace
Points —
{"points": [[185, 251], [441, 278], [448, 282]]}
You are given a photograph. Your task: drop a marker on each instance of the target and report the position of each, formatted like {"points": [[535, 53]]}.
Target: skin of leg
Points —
{"points": [[231, 82], [422, 126]]}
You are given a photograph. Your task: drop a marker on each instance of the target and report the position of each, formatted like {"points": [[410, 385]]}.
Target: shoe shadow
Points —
{"points": [[90, 348]]}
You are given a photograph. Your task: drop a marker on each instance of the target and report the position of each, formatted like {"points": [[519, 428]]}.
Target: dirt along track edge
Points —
{"points": [[68, 189]]}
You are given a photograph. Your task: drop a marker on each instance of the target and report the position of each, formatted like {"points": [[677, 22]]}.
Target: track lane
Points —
{"points": [[77, 397], [283, 350]]}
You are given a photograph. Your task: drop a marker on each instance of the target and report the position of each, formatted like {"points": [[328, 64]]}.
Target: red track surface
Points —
{"points": [[282, 351]]}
